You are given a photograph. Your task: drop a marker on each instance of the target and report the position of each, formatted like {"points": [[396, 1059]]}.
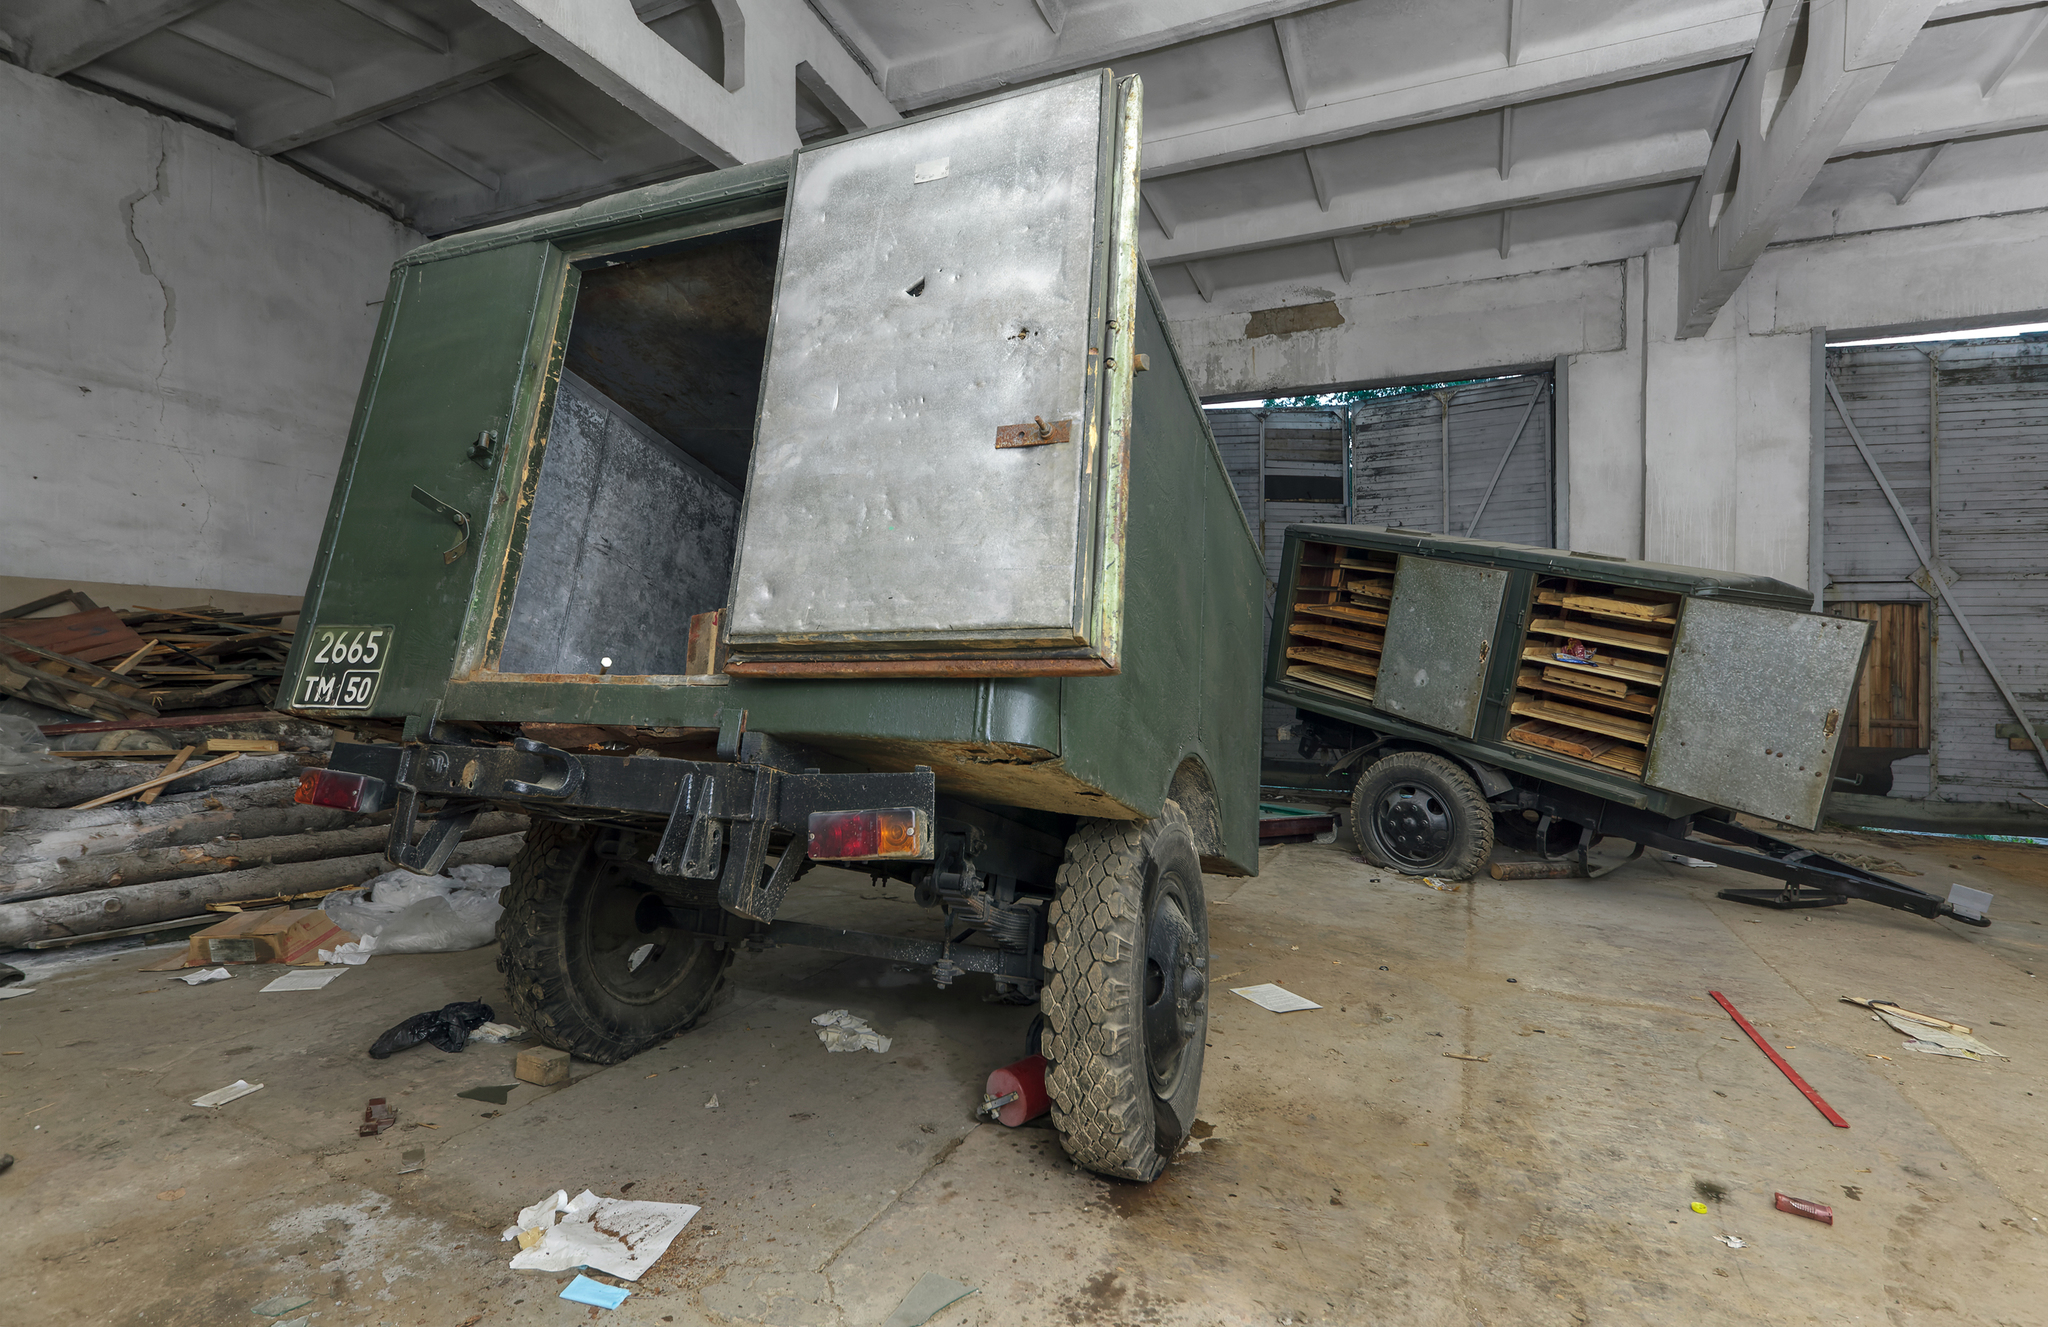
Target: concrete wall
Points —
{"points": [[183, 328], [1696, 451]]}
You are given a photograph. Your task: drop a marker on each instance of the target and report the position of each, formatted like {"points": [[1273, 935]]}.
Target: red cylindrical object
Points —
{"points": [[1027, 1079]]}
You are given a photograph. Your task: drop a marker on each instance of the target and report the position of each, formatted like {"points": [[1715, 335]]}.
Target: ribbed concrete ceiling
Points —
{"points": [[1293, 151]]}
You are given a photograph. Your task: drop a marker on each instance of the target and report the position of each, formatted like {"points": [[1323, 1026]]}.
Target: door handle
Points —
{"points": [[461, 519]]}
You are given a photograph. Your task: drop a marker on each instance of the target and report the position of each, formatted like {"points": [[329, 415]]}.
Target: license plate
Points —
{"points": [[344, 668]]}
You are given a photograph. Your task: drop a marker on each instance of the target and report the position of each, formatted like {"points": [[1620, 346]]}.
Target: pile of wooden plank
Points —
{"points": [[95, 663]]}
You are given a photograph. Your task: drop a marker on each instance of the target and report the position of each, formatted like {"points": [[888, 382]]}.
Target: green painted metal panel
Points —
{"points": [[1190, 679], [453, 359]]}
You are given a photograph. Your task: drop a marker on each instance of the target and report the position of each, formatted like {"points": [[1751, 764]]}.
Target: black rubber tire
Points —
{"points": [[1419, 814], [572, 922], [1126, 993]]}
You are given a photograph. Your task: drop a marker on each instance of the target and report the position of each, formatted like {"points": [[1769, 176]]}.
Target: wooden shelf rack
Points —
{"points": [[1340, 609], [1600, 711]]}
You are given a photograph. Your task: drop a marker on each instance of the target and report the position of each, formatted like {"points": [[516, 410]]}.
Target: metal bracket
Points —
{"points": [[561, 773], [461, 519], [691, 840], [732, 726], [739, 886], [432, 852], [485, 449]]}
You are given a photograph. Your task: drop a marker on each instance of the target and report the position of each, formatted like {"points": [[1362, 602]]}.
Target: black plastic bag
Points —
{"points": [[447, 1027]]}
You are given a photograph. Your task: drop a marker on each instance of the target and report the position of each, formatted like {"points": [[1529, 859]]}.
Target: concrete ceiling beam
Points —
{"points": [[74, 35], [1951, 114], [1816, 66], [260, 58], [403, 22], [447, 154], [396, 81], [1098, 35], [1658, 160], [1485, 90], [586, 139], [750, 118]]}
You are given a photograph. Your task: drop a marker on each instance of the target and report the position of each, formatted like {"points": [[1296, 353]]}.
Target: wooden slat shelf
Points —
{"points": [[1634, 640], [1350, 663], [1369, 641], [1322, 677], [1345, 612], [1628, 670], [1593, 721], [1593, 749], [1658, 614], [1531, 680]]}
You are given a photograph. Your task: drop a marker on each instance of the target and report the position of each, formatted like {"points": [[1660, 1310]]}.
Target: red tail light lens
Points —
{"points": [[339, 789], [838, 836]]}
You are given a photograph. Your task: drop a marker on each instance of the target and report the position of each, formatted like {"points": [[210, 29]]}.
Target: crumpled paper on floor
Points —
{"points": [[204, 975], [841, 1031], [355, 953], [1939, 1041], [614, 1235]]}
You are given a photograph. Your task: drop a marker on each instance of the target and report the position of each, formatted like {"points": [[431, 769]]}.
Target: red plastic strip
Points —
{"points": [[1779, 1060]]}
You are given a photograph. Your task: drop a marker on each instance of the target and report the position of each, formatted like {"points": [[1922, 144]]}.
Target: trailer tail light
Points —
{"points": [[339, 789], [849, 835]]}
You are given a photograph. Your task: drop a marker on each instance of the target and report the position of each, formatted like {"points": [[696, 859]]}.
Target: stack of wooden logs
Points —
{"points": [[227, 835]]}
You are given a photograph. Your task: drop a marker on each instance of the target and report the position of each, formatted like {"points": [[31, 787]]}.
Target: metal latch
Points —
{"points": [[461, 519]]}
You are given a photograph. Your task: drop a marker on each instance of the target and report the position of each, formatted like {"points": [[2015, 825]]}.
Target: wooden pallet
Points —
{"points": [[1593, 721], [1323, 677], [1590, 747], [1593, 631], [1350, 663], [1531, 680], [1627, 670]]}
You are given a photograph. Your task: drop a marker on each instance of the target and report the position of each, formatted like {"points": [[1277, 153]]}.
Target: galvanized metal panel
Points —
{"points": [[1440, 629], [629, 536], [1752, 707], [936, 285]]}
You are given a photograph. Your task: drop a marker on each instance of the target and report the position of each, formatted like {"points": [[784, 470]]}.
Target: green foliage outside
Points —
{"points": [[1336, 400]]}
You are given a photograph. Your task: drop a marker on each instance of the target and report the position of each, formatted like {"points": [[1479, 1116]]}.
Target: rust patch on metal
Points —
{"points": [[1037, 433], [1294, 318]]}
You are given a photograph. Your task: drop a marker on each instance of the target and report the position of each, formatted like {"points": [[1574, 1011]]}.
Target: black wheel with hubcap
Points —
{"points": [[592, 965], [1421, 814], [1126, 995]]}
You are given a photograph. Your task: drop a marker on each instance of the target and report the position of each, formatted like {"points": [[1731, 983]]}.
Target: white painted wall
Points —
{"points": [[183, 328], [1696, 451]]}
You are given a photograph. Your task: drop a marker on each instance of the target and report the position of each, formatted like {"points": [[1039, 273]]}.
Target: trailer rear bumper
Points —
{"points": [[717, 818]]}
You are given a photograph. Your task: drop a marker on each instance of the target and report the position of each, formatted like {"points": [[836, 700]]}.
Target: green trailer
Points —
{"points": [[1484, 689], [849, 509]]}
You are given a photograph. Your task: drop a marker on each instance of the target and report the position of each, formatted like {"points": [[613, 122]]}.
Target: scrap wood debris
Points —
{"points": [[101, 664]]}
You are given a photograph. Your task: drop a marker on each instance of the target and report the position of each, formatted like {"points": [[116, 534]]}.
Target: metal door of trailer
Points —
{"points": [[938, 465], [1960, 429]]}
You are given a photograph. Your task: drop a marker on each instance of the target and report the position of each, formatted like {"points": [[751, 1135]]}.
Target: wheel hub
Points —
{"points": [[632, 952], [1176, 989], [1413, 825]]}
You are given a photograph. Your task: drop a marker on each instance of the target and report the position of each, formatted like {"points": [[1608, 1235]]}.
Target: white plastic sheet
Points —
{"points": [[234, 1091], [423, 914], [614, 1235], [841, 1031], [1276, 998]]}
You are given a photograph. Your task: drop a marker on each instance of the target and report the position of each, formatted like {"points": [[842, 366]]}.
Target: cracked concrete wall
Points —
{"points": [[183, 328]]}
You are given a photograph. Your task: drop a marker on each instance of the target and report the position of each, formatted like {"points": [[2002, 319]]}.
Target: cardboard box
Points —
{"points": [[270, 935]]}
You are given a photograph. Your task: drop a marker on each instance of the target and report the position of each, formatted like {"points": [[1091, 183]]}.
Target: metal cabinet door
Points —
{"points": [[1440, 630], [1752, 707], [936, 469]]}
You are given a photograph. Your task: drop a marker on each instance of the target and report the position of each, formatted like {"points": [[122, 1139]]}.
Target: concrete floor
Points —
{"points": [[1348, 1171]]}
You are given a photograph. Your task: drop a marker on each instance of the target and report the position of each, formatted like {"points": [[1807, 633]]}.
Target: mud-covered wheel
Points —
{"points": [[591, 964], [1126, 996], [1421, 814]]}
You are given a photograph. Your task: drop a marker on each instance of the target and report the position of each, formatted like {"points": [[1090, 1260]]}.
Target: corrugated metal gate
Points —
{"points": [[1495, 453], [1962, 437], [1391, 457]]}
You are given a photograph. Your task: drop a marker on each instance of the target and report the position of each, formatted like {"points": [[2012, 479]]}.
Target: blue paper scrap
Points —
{"points": [[583, 1290]]}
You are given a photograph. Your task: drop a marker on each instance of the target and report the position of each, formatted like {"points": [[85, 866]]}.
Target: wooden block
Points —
{"points": [[703, 658], [541, 1064], [217, 744]]}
